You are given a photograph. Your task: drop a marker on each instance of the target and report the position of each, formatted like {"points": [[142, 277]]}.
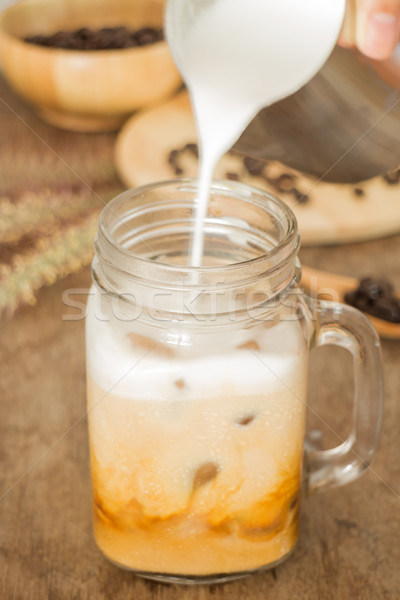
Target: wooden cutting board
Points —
{"points": [[333, 213]]}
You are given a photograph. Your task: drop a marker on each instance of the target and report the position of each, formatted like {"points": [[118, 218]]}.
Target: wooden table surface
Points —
{"points": [[350, 537]]}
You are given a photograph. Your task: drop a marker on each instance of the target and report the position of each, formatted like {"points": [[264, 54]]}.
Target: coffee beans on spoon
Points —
{"points": [[107, 38], [377, 298]]}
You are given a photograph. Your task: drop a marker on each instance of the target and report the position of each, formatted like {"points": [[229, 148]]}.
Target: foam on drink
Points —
{"points": [[196, 459]]}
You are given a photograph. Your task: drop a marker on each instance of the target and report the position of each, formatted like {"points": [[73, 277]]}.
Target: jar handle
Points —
{"points": [[344, 326]]}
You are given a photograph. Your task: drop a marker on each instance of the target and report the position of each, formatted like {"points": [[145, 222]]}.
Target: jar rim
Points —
{"points": [[289, 243]]}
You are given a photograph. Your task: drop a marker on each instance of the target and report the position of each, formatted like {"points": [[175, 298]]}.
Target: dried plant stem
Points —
{"points": [[37, 213], [63, 252]]}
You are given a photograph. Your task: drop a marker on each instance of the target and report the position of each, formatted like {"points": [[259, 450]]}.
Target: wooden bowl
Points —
{"points": [[85, 90]]}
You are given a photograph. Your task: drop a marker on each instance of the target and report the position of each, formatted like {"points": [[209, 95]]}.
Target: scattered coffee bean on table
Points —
{"points": [[253, 165], [375, 297], [107, 38], [232, 176], [300, 196], [173, 160], [174, 156], [283, 183], [393, 178], [193, 149]]}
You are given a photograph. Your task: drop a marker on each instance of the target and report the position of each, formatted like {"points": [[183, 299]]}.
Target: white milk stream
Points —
{"points": [[238, 56]]}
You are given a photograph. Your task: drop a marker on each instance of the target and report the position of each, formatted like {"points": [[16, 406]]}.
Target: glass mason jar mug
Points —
{"points": [[197, 383]]}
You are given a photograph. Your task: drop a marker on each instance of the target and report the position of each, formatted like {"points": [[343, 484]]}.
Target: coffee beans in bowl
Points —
{"points": [[87, 64], [107, 38]]}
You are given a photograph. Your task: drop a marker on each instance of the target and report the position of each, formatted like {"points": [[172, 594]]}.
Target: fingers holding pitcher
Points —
{"points": [[373, 26]]}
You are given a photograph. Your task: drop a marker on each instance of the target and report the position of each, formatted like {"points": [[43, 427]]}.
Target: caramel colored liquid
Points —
{"points": [[196, 487]]}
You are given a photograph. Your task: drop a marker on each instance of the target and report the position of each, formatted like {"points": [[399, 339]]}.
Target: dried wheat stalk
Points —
{"points": [[64, 251]]}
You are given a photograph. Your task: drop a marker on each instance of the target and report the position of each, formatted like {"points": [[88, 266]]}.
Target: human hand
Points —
{"points": [[373, 26]]}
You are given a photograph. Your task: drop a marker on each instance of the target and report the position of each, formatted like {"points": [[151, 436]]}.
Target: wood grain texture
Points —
{"points": [[333, 213], [348, 547], [349, 537], [51, 192]]}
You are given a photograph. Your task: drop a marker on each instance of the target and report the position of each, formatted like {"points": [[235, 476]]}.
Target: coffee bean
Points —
{"points": [[253, 165], [62, 39], [84, 33], [173, 158], [375, 297], [174, 155], [374, 288], [284, 183], [370, 288], [359, 192], [145, 36], [193, 149], [107, 38], [387, 309], [357, 300], [392, 178], [300, 197]]}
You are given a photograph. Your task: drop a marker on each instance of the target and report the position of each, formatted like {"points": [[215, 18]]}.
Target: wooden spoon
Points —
{"points": [[331, 286]]}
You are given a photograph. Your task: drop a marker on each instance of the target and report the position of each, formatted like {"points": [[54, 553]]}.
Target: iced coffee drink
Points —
{"points": [[196, 455], [197, 383]]}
